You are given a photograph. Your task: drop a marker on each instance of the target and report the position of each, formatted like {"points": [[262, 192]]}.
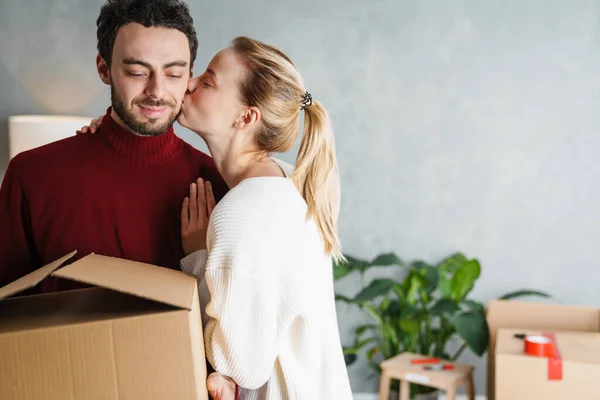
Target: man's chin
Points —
{"points": [[151, 126]]}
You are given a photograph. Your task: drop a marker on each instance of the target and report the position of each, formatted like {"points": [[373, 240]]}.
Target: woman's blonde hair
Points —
{"points": [[273, 85]]}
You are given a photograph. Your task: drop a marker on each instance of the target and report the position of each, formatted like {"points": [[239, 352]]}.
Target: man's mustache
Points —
{"points": [[155, 103]]}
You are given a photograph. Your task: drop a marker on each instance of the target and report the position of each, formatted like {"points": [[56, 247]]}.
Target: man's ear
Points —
{"points": [[103, 70]]}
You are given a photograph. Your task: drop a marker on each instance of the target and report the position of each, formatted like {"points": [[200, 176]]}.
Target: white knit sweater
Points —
{"points": [[270, 321]]}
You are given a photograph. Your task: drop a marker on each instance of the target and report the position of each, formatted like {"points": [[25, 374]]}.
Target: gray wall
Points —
{"points": [[461, 125]]}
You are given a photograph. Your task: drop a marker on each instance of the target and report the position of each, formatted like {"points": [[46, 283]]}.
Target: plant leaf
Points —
{"points": [[451, 264], [339, 297], [374, 314], [410, 326], [431, 275], [377, 287], [473, 329], [394, 309], [409, 312], [387, 259], [385, 303], [444, 286], [363, 328], [473, 306], [524, 293], [417, 281], [445, 306], [400, 293], [359, 345], [349, 359], [356, 264], [340, 270], [418, 265], [371, 353], [463, 280]]}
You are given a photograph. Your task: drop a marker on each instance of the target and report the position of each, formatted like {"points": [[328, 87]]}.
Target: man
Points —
{"points": [[119, 192]]}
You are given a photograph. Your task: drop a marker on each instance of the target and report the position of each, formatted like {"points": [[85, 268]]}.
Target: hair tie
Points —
{"points": [[306, 101]]}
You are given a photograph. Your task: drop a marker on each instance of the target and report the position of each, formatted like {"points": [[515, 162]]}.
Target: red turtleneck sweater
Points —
{"points": [[112, 193]]}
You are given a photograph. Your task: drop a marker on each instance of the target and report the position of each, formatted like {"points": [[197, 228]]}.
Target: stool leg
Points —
{"points": [[451, 393], [384, 386], [404, 390], [470, 389]]}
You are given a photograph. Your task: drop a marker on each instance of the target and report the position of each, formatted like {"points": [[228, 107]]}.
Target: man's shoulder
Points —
{"points": [[47, 154]]}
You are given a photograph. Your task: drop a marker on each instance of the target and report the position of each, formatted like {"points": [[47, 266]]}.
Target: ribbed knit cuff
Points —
{"points": [[195, 263]]}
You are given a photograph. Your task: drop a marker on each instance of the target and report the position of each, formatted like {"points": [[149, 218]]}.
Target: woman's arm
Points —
{"points": [[239, 285]]}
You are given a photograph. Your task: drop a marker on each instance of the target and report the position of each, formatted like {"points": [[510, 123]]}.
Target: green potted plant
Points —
{"points": [[419, 313]]}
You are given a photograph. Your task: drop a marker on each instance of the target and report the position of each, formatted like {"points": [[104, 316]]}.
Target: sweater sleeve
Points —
{"points": [[195, 264], [242, 331], [17, 250], [246, 313]]}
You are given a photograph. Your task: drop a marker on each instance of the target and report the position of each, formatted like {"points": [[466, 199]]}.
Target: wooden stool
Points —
{"points": [[400, 368]]}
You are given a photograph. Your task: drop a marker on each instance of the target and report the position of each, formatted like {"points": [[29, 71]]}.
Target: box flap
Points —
{"points": [[151, 282], [580, 347], [526, 315], [35, 277]]}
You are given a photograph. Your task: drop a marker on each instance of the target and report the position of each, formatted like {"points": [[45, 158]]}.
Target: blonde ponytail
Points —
{"points": [[273, 84], [316, 176]]}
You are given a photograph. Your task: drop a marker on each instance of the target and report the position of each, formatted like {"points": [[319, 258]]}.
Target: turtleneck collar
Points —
{"points": [[139, 151]]}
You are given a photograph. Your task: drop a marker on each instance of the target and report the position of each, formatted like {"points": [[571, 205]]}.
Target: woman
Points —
{"points": [[263, 255]]}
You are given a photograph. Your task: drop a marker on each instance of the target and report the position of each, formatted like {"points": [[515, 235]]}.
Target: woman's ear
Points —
{"points": [[103, 70], [249, 119]]}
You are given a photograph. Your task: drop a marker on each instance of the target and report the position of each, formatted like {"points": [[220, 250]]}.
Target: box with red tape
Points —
{"points": [[549, 365]]}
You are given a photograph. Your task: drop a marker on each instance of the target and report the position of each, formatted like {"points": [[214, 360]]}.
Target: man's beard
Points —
{"points": [[150, 128]]}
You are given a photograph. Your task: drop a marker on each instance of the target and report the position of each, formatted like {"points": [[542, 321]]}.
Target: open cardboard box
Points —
{"points": [[137, 334], [571, 373], [534, 316]]}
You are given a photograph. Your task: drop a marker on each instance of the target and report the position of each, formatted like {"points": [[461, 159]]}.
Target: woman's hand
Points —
{"points": [[195, 214], [220, 387], [92, 128]]}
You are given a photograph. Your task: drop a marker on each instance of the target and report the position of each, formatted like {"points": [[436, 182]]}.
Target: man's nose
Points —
{"points": [[156, 87]]}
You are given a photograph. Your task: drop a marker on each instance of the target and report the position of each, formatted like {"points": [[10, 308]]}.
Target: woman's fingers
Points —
{"points": [[95, 124], [193, 206], [196, 210], [201, 203], [210, 198], [185, 215], [220, 387]]}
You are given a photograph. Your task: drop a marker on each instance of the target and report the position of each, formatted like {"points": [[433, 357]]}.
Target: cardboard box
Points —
{"points": [[572, 374], [137, 334], [534, 316]]}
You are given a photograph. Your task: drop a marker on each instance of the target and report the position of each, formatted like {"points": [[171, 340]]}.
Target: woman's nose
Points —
{"points": [[193, 85]]}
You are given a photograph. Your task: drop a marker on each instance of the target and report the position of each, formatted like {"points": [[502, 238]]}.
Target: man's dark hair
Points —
{"points": [[172, 14]]}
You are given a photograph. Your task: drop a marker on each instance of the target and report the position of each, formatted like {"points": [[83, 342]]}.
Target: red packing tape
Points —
{"points": [[554, 362], [545, 346], [539, 346]]}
